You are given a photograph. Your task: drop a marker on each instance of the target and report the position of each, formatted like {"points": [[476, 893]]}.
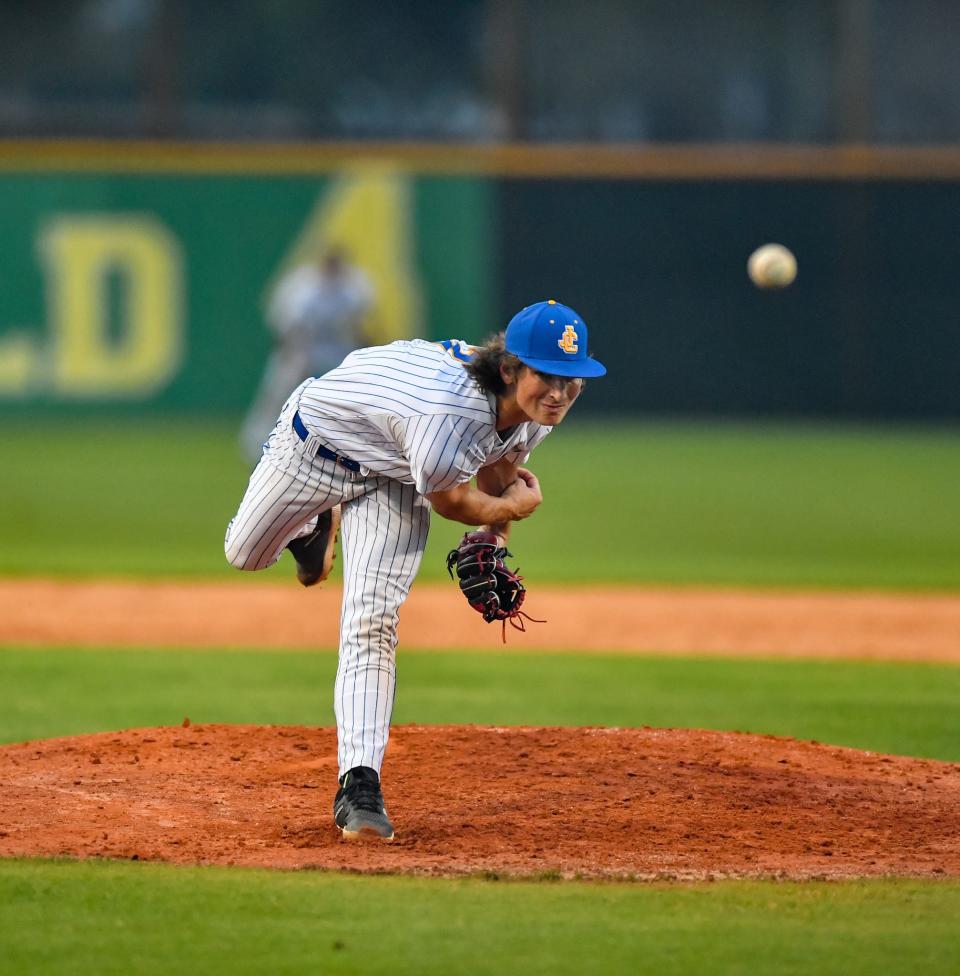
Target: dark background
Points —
{"points": [[869, 328], [882, 71]]}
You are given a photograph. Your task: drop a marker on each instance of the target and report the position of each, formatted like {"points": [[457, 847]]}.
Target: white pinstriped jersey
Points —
{"points": [[411, 412]]}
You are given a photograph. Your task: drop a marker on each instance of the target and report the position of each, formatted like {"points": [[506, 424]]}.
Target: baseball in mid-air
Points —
{"points": [[772, 266]]}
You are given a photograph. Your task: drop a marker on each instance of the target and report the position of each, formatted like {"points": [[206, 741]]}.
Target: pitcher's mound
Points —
{"points": [[645, 803]]}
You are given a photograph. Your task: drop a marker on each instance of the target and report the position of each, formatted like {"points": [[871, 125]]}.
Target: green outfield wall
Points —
{"points": [[126, 291], [133, 277]]}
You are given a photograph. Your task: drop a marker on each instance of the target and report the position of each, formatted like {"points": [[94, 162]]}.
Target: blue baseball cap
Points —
{"points": [[551, 338]]}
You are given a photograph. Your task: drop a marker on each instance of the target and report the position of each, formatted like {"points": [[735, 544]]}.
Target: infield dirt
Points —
{"points": [[637, 803], [889, 626]]}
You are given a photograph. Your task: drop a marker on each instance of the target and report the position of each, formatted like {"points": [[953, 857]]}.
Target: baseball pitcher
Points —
{"points": [[369, 450]]}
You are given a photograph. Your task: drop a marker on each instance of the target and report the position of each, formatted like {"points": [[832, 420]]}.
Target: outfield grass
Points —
{"points": [[913, 709], [110, 918], [673, 503]]}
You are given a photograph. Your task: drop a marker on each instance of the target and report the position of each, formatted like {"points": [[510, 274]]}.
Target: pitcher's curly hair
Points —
{"points": [[486, 363], [484, 368]]}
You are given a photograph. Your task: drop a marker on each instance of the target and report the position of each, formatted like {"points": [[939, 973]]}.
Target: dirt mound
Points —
{"points": [[646, 803]]}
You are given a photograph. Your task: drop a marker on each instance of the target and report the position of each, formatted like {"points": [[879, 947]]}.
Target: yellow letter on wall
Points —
{"points": [[367, 210], [81, 255]]}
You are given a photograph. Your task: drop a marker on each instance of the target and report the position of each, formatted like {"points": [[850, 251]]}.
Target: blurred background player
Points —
{"points": [[317, 314]]}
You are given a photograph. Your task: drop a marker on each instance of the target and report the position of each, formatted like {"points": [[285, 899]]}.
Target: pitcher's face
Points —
{"points": [[546, 398]]}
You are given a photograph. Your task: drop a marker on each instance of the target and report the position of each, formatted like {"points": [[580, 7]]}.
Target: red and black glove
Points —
{"points": [[491, 588]]}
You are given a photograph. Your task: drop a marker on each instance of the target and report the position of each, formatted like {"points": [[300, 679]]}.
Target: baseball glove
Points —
{"points": [[493, 590]]}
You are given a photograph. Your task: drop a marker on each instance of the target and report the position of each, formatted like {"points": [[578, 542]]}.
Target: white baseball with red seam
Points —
{"points": [[772, 266]]}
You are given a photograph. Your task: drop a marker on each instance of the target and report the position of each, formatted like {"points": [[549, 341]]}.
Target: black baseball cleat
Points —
{"points": [[358, 809], [314, 553]]}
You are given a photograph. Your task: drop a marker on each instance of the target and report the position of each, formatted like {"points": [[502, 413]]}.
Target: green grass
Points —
{"points": [[913, 709], [674, 503], [141, 497], [108, 918]]}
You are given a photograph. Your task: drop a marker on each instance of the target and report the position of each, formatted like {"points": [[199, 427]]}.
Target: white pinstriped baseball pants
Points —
{"points": [[383, 532]]}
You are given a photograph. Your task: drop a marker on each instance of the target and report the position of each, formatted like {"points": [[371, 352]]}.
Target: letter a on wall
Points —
{"points": [[367, 212]]}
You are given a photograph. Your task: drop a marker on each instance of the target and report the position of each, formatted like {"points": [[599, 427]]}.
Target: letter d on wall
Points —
{"points": [[128, 346]]}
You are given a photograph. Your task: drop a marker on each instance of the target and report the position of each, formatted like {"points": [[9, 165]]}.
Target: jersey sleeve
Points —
{"points": [[441, 449], [457, 349]]}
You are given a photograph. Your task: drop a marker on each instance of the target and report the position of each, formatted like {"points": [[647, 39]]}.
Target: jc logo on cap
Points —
{"points": [[568, 341]]}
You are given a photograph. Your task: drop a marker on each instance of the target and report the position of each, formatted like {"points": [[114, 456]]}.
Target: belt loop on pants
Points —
{"points": [[322, 451]]}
